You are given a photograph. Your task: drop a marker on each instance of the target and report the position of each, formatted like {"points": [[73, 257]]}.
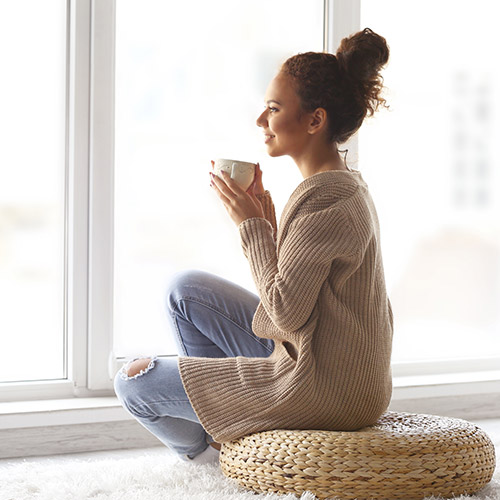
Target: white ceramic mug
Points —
{"points": [[242, 172]]}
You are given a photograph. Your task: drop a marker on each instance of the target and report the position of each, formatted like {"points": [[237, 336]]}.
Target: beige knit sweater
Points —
{"points": [[324, 304]]}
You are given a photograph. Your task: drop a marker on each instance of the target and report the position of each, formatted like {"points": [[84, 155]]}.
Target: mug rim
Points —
{"points": [[235, 161]]}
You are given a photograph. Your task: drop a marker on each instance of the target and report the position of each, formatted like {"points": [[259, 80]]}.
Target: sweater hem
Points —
{"points": [[194, 404]]}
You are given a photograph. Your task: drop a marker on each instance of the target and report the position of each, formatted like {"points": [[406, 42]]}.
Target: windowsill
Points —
{"points": [[70, 411], [446, 379]]}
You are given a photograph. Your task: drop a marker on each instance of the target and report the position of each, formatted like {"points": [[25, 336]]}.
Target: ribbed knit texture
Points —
{"points": [[324, 303]]}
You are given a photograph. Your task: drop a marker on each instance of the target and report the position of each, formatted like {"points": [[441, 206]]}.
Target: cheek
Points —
{"points": [[280, 125], [287, 125]]}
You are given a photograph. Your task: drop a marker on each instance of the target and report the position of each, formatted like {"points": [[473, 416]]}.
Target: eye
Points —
{"points": [[271, 109]]}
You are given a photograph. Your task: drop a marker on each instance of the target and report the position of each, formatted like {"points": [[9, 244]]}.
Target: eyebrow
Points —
{"points": [[272, 100]]}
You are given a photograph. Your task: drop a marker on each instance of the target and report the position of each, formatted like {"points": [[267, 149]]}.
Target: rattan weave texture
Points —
{"points": [[404, 455]]}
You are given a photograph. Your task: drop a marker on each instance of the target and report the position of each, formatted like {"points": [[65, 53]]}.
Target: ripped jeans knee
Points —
{"points": [[129, 386], [137, 367]]}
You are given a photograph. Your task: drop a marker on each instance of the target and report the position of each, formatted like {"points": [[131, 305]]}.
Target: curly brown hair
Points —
{"points": [[347, 85]]}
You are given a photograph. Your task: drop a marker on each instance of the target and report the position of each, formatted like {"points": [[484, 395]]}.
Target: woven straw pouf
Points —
{"points": [[403, 455]]}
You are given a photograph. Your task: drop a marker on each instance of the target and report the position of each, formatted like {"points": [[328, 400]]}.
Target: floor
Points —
{"points": [[490, 426], [90, 456]]}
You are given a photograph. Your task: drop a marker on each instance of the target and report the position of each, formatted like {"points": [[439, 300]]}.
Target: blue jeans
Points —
{"points": [[210, 317]]}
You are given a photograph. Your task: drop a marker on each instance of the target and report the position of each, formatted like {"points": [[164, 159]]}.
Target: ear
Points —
{"points": [[317, 121]]}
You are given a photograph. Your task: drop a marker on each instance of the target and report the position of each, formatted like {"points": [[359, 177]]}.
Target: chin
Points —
{"points": [[274, 153]]}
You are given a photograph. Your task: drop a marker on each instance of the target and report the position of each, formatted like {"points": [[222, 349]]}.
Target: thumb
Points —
{"points": [[251, 188], [251, 192], [258, 171]]}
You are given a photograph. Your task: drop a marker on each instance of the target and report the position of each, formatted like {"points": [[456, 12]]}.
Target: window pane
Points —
{"points": [[433, 165], [190, 84], [32, 127]]}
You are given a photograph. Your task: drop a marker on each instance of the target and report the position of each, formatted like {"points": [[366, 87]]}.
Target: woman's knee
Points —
{"points": [[137, 367], [131, 372], [185, 284]]}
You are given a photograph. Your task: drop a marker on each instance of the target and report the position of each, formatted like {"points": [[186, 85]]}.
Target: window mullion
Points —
{"points": [[344, 18], [78, 191], [101, 189]]}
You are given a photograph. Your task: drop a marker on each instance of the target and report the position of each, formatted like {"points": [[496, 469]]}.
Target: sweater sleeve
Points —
{"points": [[289, 284], [269, 211]]}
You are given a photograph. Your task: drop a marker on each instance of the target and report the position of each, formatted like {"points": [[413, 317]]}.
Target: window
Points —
{"points": [[32, 173], [187, 93], [91, 228], [433, 166]]}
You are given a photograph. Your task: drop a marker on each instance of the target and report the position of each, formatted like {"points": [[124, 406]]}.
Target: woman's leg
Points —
{"points": [[212, 317], [155, 396]]}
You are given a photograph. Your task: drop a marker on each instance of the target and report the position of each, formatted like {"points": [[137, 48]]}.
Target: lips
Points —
{"points": [[268, 137]]}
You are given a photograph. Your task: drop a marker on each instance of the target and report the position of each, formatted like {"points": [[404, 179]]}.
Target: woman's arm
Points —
{"points": [[289, 284], [268, 207], [265, 199]]}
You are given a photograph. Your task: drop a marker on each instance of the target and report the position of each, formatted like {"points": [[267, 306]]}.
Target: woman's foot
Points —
{"points": [[209, 456]]}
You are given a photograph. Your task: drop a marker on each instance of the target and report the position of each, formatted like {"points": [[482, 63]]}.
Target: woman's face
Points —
{"points": [[283, 123]]}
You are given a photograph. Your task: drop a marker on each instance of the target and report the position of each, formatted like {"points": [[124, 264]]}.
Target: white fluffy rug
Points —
{"points": [[143, 476]]}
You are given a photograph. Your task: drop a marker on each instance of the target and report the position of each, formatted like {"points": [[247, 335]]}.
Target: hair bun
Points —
{"points": [[361, 56]]}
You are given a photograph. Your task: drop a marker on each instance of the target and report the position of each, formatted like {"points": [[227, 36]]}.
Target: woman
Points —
{"points": [[313, 350]]}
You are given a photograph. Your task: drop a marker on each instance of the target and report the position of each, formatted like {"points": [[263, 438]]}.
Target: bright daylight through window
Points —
{"points": [[32, 127], [187, 93], [434, 168], [189, 85], [185, 96]]}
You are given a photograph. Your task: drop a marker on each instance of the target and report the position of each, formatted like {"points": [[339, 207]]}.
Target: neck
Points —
{"points": [[319, 159]]}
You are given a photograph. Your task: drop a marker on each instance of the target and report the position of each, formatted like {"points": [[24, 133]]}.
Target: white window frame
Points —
{"points": [[91, 364], [101, 213], [88, 211]]}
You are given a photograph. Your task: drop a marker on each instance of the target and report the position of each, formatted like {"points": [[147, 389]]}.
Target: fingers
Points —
{"points": [[230, 189], [251, 192], [223, 191], [227, 185], [251, 188], [258, 186], [239, 204], [216, 184]]}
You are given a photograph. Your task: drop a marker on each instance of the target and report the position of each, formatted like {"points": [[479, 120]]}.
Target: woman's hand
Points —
{"points": [[257, 185], [240, 205]]}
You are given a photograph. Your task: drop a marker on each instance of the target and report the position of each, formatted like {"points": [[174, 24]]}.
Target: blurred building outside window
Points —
{"points": [[434, 169]]}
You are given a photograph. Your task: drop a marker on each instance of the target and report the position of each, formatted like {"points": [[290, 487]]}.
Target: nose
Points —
{"points": [[262, 120]]}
